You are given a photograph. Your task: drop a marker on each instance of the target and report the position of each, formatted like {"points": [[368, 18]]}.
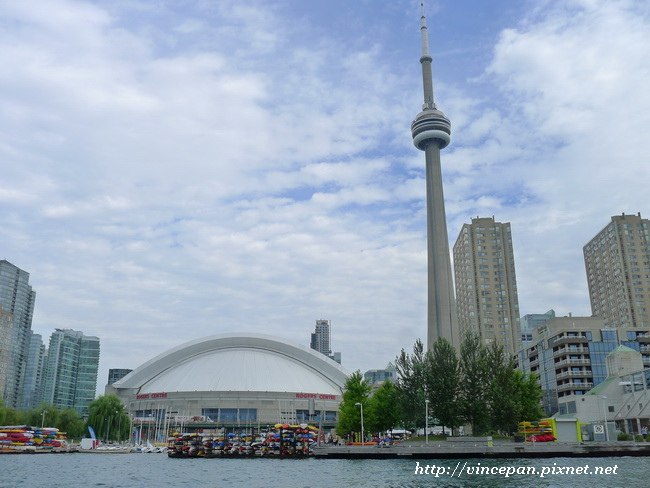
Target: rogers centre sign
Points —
{"points": [[146, 396], [316, 395]]}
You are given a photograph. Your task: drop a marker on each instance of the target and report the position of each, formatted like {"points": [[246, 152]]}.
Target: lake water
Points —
{"points": [[159, 471]]}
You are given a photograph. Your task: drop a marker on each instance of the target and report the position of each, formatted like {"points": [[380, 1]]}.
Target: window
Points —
{"points": [[228, 415], [210, 414], [302, 416], [248, 415]]}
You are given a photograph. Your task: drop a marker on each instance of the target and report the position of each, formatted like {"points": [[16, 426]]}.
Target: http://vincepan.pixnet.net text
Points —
{"points": [[477, 469]]}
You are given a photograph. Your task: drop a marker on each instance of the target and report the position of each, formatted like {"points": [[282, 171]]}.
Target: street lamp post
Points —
{"points": [[43, 418], [605, 418], [117, 414], [363, 440], [426, 420]]}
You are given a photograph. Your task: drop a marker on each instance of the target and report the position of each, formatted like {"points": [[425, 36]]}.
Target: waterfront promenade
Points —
{"points": [[482, 447]]}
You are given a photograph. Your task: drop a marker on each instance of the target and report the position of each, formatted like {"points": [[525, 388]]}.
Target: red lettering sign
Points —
{"points": [[145, 396], [305, 395], [314, 395]]}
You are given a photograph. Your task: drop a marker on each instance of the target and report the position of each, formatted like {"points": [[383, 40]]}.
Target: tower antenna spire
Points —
{"points": [[425, 60], [424, 32]]}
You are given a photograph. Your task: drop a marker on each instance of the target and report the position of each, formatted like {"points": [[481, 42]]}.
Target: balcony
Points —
{"points": [[567, 339], [573, 350], [643, 338], [574, 374], [575, 386], [573, 362]]}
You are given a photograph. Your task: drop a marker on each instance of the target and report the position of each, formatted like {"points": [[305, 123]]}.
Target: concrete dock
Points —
{"points": [[480, 448]]}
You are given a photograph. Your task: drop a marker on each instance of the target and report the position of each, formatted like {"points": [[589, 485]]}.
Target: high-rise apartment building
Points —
{"points": [[32, 382], [321, 340], [617, 261], [17, 298], [6, 334], [70, 377], [486, 285]]}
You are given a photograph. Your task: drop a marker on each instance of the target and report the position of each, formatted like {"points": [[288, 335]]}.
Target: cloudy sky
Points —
{"points": [[173, 169]]}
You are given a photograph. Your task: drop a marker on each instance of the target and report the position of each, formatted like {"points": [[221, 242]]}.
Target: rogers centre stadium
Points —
{"points": [[233, 381]]}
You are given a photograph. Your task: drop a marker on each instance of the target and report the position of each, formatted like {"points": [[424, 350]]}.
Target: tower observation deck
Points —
{"points": [[431, 132]]}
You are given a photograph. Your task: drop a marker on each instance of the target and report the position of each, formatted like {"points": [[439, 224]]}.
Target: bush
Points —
{"points": [[624, 437]]}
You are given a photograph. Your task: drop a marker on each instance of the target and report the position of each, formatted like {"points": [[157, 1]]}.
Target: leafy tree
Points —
{"points": [[528, 396], [356, 390], [473, 396], [502, 390], [384, 408], [107, 418], [45, 414], [443, 383], [411, 383], [13, 416], [71, 423]]}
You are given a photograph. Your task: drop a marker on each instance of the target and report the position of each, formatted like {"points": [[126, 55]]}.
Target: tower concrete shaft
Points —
{"points": [[431, 132]]}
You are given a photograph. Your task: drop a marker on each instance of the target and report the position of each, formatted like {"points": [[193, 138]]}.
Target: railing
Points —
{"points": [[574, 350], [574, 374], [568, 339], [575, 386], [571, 362]]}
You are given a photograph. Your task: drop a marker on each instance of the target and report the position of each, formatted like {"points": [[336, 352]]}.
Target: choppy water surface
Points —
{"points": [[159, 471]]}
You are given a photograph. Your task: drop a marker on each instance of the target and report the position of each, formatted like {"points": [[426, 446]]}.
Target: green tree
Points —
{"points": [[356, 390], [474, 373], [45, 414], [384, 408], [528, 396], [411, 384], [71, 423], [502, 389], [107, 418], [13, 416], [443, 383]]}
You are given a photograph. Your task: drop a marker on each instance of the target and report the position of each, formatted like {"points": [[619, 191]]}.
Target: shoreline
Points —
{"points": [[484, 450]]}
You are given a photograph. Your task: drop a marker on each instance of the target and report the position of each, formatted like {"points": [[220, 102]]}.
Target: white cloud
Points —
{"points": [[172, 173]]}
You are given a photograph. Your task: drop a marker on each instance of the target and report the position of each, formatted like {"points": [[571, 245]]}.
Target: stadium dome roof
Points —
{"points": [[237, 362]]}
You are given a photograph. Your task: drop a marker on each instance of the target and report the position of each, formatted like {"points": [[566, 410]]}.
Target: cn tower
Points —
{"points": [[431, 132]]}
